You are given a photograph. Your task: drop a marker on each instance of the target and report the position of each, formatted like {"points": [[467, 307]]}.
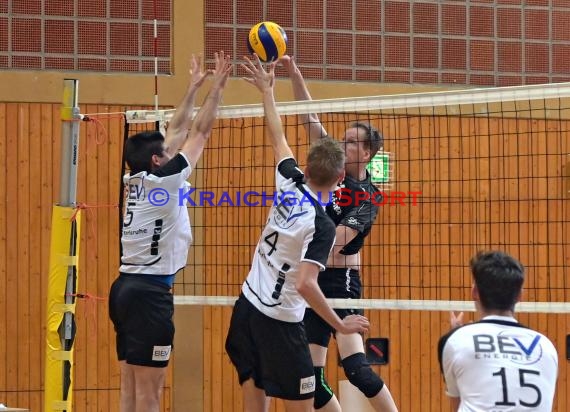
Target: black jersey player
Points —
{"points": [[341, 279]]}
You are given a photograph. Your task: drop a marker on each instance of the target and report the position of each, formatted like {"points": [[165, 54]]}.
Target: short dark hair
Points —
{"points": [[325, 161], [499, 279], [140, 148], [374, 139]]}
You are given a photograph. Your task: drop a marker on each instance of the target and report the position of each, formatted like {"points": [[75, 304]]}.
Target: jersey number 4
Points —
{"points": [[523, 374], [271, 240]]}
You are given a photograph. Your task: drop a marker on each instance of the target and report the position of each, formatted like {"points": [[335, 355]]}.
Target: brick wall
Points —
{"points": [[480, 42], [89, 35]]}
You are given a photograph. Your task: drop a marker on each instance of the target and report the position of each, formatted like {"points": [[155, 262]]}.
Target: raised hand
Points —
{"points": [[196, 72], [455, 320], [223, 68], [260, 78], [354, 324], [288, 62]]}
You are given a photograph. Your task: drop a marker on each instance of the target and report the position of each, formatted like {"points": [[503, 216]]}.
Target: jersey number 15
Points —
{"points": [[523, 374]]}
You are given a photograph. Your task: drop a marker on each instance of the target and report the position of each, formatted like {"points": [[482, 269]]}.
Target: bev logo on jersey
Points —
{"points": [[286, 213], [522, 348]]}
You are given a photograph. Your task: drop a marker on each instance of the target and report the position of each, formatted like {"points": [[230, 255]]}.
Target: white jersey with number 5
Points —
{"points": [[497, 364], [156, 228], [297, 230]]}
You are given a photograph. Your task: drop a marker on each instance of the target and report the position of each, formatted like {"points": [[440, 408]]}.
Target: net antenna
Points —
{"points": [[486, 161]]}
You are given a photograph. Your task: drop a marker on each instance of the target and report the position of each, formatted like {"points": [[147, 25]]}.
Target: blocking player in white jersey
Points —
{"points": [[156, 235], [497, 364], [266, 340]]}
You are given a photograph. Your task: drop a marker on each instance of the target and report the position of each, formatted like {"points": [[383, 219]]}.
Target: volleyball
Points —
{"points": [[268, 40]]}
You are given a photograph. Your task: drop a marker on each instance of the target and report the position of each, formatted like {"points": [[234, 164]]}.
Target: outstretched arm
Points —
{"points": [[311, 121], [264, 81], [204, 121], [177, 131]]}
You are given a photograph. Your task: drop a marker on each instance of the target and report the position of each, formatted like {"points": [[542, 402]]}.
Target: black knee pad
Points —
{"points": [[323, 392], [361, 375]]}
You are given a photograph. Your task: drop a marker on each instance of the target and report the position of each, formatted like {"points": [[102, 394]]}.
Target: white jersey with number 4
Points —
{"points": [[498, 365], [297, 230], [156, 228]]}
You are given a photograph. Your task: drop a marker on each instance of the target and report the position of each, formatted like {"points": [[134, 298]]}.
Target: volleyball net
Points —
{"points": [[462, 171]]}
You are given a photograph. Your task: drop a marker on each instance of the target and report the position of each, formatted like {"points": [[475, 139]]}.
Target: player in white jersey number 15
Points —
{"points": [[497, 364]]}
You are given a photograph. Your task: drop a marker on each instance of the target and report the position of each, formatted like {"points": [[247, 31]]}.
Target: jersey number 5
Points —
{"points": [[128, 215]]}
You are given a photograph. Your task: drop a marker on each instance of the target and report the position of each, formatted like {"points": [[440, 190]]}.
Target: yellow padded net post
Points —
{"points": [[65, 234], [64, 257]]}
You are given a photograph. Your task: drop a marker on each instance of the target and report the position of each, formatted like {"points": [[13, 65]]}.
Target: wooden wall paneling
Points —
{"points": [[99, 215], [398, 271], [555, 180], [446, 203], [88, 182], [460, 230], [217, 352], [23, 262], [436, 393], [212, 163], [116, 137], [529, 257], [45, 198], [422, 271], [80, 399], [231, 187], [114, 144], [10, 147], [209, 390], [4, 292], [35, 270], [542, 238], [210, 368], [421, 337]]}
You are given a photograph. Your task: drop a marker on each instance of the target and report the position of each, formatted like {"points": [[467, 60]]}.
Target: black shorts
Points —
{"points": [[141, 310], [336, 283], [275, 354]]}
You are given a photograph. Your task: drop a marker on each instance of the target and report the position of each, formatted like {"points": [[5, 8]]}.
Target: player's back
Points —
{"points": [[297, 230], [499, 365], [156, 231]]}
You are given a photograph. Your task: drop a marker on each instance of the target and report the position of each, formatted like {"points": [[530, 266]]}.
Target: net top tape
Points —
{"points": [[389, 304], [384, 102]]}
